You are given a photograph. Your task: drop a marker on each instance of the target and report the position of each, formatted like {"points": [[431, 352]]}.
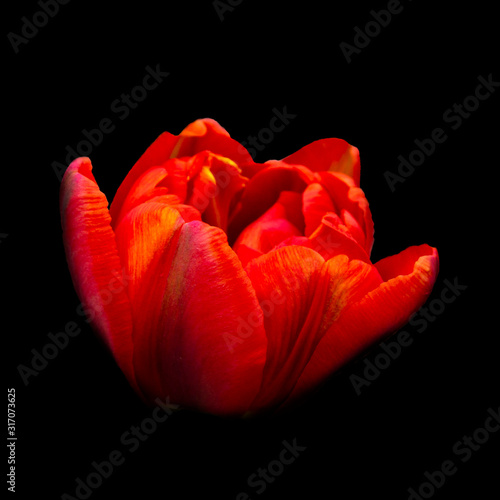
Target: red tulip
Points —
{"points": [[231, 286]]}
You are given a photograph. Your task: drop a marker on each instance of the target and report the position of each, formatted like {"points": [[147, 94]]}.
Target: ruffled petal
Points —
{"points": [[377, 314], [203, 134], [214, 188], [333, 155], [282, 221], [331, 238], [263, 191], [99, 278], [305, 296], [350, 204]]}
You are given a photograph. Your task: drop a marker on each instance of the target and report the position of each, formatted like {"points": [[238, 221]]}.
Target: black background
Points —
{"points": [[396, 90]]}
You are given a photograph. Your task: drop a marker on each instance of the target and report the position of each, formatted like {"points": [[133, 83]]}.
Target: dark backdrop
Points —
{"points": [[237, 67]]}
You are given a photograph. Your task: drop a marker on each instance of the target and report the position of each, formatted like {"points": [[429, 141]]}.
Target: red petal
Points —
{"points": [[350, 199], [146, 240], [215, 187], [334, 238], [304, 296], [99, 278], [192, 298], [269, 230], [380, 312], [204, 134], [207, 134], [216, 340], [263, 190], [156, 154], [334, 155], [316, 203]]}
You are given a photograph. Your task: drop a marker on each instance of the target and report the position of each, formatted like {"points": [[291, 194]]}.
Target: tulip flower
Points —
{"points": [[230, 286]]}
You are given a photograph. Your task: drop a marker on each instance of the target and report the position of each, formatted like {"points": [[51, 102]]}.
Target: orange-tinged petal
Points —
{"points": [[334, 155], [309, 295], [98, 276], [146, 240], [213, 189], [203, 134], [369, 319], [190, 297]]}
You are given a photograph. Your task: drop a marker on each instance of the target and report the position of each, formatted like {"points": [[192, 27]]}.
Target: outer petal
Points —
{"points": [[198, 136], [98, 276], [379, 313], [190, 302], [334, 155], [304, 295], [146, 240]]}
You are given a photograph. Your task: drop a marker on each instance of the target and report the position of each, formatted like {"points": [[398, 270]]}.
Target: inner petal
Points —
{"points": [[276, 225]]}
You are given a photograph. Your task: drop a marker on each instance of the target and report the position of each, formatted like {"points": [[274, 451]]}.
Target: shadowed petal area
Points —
{"points": [[309, 294], [214, 188], [263, 191], [191, 297], [331, 238], [351, 205], [282, 221], [98, 276], [212, 363], [146, 240], [316, 203], [367, 320], [333, 155]]}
